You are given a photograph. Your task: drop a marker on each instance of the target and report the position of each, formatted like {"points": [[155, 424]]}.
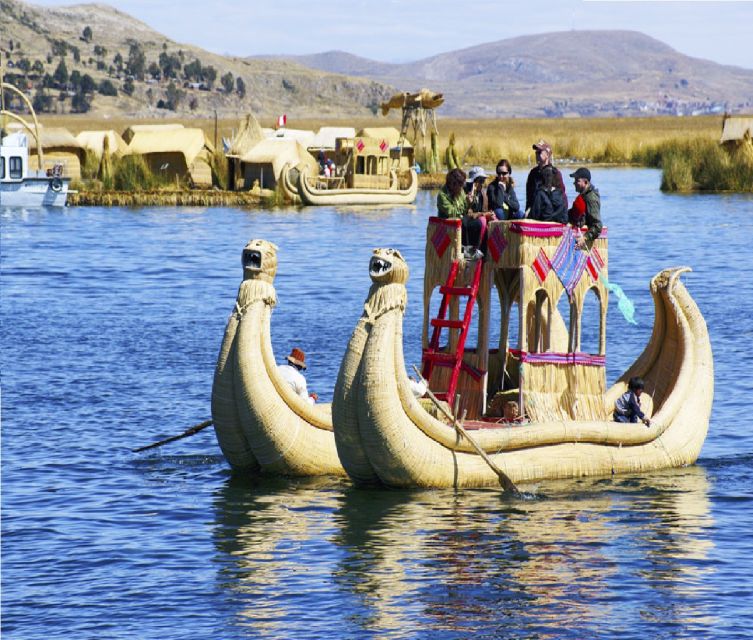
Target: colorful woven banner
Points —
{"points": [[568, 262], [594, 264], [440, 239], [541, 266], [540, 230], [559, 358], [497, 243]]}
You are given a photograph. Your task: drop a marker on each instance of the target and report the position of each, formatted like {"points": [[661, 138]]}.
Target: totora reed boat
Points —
{"points": [[539, 409], [261, 424]]}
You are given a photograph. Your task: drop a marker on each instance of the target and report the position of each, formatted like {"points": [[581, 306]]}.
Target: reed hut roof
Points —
{"points": [[95, 141], [390, 134], [326, 136], [135, 128], [736, 127], [249, 134], [278, 152], [304, 136], [56, 138], [190, 142]]}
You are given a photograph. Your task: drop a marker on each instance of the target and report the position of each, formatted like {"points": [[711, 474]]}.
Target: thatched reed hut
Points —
{"points": [[325, 139], [94, 141], [174, 153], [59, 147], [248, 136], [265, 162], [136, 128]]}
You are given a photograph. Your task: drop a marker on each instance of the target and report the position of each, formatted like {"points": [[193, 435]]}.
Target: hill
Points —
{"points": [[135, 71], [560, 74]]}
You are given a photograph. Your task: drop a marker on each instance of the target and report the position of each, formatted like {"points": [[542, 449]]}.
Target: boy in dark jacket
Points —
{"points": [[627, 408]]}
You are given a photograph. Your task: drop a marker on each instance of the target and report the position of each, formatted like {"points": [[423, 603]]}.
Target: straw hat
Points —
{"points": [[297, 358]]}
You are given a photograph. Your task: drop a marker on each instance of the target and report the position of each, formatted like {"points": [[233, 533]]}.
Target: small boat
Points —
{"points": [[261, 424], [564, 427], [20, 187], [365, 171]]}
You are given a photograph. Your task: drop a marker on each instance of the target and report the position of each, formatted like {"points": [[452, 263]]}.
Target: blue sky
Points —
{"points": [[400, 31]]}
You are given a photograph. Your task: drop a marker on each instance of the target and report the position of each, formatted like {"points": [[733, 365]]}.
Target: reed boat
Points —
{"points": [[261, 424], [564, 428], [315, 190]]}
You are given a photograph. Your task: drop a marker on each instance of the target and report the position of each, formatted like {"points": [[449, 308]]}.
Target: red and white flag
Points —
{"points": [[282, 120]]}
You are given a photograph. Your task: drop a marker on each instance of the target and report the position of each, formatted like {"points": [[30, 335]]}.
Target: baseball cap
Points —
{"points": [[542, 145], [581, 173]]}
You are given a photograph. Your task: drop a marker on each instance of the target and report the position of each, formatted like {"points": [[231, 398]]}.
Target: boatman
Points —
{"points": [[291, 372], [592, 200]]}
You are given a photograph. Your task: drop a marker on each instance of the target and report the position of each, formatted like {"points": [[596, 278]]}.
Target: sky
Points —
{"points": [[403, 31]]}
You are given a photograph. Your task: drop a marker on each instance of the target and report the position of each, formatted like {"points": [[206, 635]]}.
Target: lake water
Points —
{"points": [[111, 324]]}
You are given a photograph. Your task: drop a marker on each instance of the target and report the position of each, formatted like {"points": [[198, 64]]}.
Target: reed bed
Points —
{"points": [[162, 197]]}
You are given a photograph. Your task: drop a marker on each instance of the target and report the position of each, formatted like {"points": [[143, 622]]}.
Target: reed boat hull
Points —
{"points": [[319, 197], [261, 424], [385, 436]]}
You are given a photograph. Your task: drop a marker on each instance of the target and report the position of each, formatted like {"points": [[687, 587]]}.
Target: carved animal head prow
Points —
{"points": [[259, 259], [388, 266]]}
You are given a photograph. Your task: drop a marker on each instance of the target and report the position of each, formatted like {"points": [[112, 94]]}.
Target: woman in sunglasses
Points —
{"points": [[501, 194]]}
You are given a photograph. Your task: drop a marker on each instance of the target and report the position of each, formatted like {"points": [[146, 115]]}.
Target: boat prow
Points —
{"points": [[260, 422], [385, 435]]}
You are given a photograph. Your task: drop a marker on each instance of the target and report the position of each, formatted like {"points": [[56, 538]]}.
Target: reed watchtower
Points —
{"points": [[537, 360]]}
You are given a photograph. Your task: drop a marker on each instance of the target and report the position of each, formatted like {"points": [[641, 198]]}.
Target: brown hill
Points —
{"points": [[272, 87], [563, 73]]}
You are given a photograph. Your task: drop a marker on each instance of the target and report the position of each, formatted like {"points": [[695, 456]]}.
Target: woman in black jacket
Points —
{"points": [[501, 194]]}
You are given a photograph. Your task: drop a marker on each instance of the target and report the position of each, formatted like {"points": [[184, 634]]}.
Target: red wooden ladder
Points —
{"points": [[433, 356]]}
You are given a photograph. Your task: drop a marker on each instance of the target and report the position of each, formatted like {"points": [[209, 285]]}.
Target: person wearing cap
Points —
{"points": [[501, 193], [592, 201], [543, 159], [291, 373]]}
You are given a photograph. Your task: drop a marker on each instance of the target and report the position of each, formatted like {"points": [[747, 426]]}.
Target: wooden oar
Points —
{"points": [[188, 432], [504, 480]]}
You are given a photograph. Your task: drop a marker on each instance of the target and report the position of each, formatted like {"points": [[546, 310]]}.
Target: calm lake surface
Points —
{"points": [[111, 324]]}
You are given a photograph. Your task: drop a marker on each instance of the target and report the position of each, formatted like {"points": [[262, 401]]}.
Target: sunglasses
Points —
{"points": [[503, 173]]}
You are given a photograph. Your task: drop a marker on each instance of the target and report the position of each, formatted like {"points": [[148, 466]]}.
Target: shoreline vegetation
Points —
{"points": [[685, 148]]}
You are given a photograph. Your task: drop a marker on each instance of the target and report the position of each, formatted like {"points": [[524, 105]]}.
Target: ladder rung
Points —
{"points": [[439, 358], [456, 291], [452, 324], [472, 371], [441, 395]]}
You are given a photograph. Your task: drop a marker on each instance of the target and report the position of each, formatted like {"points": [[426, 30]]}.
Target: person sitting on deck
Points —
{"points": [[627, 408], [592, 200], [291, 372], [548, 204], [454, 204], [501, 194]]}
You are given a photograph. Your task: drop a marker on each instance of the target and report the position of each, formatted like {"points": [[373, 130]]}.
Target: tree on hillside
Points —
{"points": [[118, 62], [61, 73], [174, 96], [154, 70], [136, 61], [37, 67], [80, 103], [107, 88], [210, 75], [240, 87], [75, 79], [170, 65], [87, 84], [128, 86], [42, 102], [192, 71], [228, 82], [87, 34]]}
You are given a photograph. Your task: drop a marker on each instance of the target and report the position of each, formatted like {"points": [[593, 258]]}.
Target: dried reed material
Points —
{"points": [[165, 198], [259, 419]]}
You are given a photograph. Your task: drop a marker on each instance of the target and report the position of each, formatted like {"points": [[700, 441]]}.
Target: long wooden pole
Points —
{"points": [[504, 480], [188, 432]]}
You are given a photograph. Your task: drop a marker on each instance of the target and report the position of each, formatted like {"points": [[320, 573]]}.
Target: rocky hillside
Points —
{"points": [[560, 74], [93, 58]]}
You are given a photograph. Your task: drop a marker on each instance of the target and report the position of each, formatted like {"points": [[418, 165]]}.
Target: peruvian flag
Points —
{"points": [[282, 120]]}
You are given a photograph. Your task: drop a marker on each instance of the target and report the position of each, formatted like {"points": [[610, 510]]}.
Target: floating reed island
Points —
{"points": [[174, 198]]}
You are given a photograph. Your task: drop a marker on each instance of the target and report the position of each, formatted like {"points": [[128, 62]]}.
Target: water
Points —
{"points": [[111, 324]]}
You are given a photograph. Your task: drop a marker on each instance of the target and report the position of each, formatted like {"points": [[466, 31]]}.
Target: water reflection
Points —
{"points": [[570, 563]]}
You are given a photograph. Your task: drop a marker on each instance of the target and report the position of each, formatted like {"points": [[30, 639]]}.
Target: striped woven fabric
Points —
{"points": [[497, 243], [440, 239], [540, 230], [594, 264], [568, 262], [541, 266], [559, 358]]}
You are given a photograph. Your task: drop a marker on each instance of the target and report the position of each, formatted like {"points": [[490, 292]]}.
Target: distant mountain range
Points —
{"points": [[573, 73], [560, 74]]}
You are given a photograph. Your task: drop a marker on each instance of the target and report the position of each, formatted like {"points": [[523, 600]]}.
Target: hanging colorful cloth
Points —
{"points": [[568, 262]]}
